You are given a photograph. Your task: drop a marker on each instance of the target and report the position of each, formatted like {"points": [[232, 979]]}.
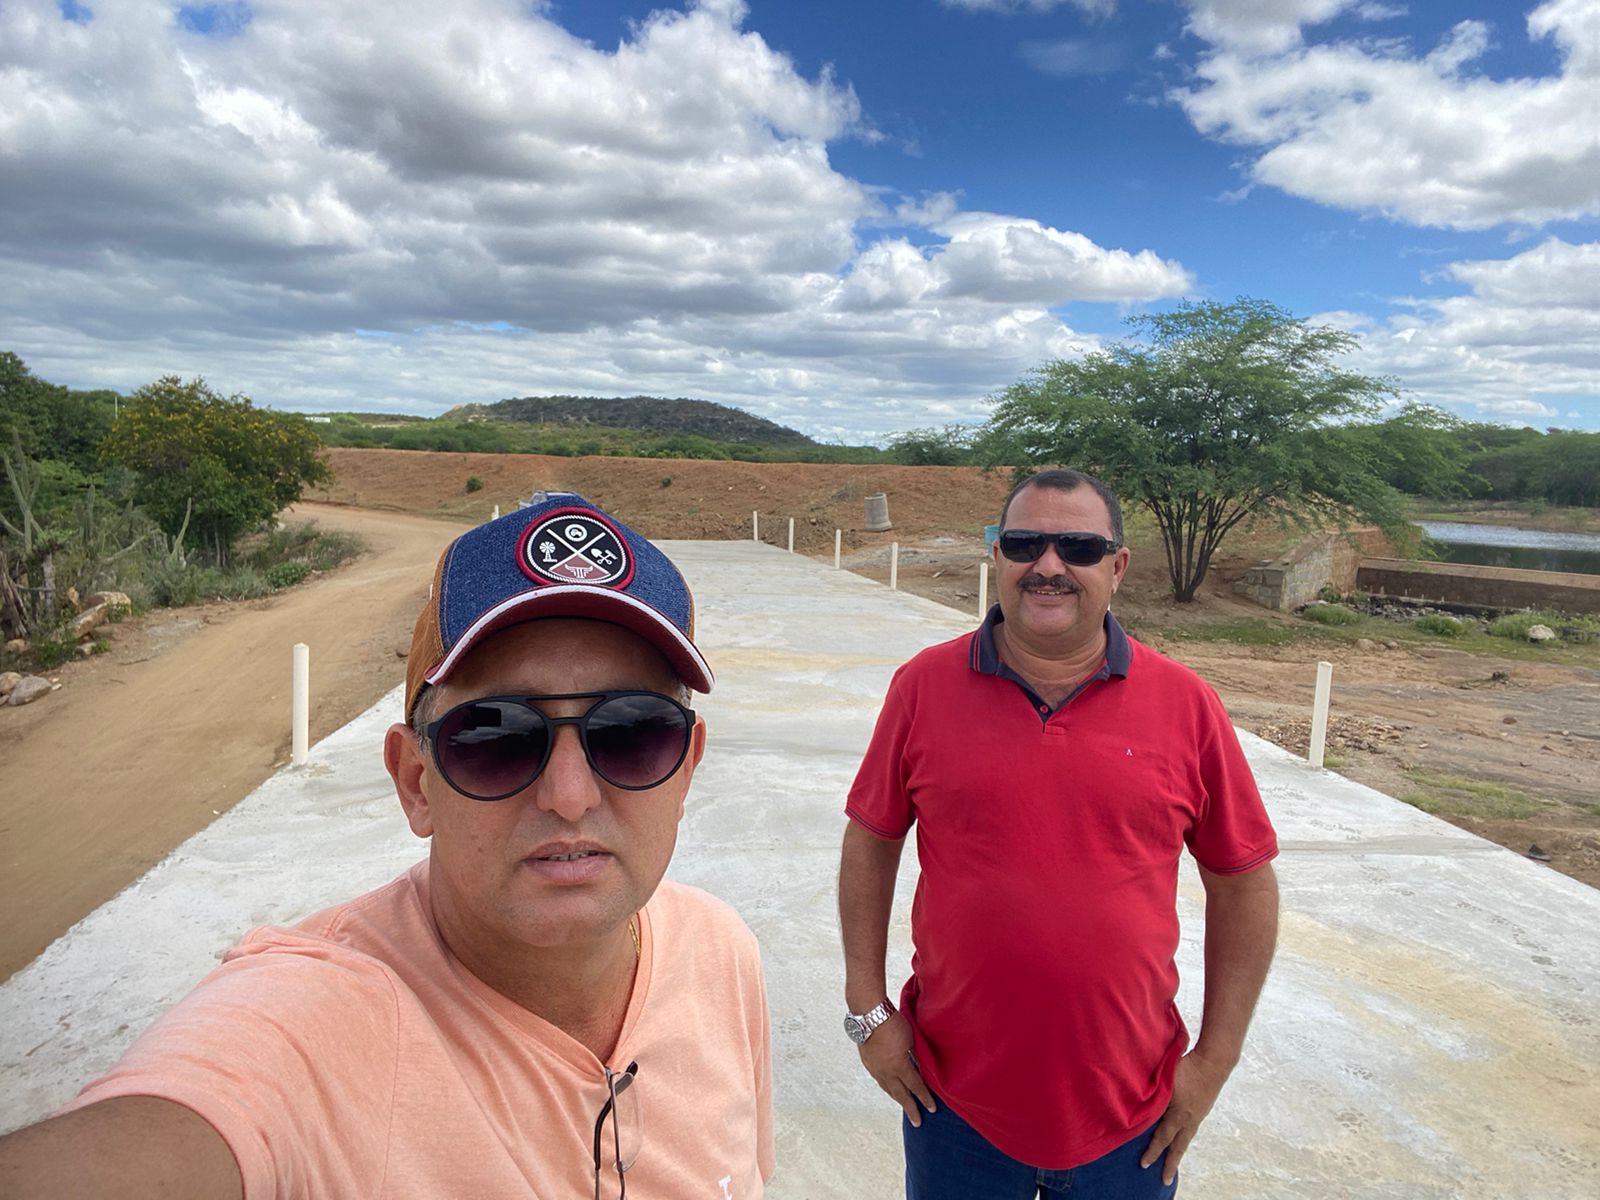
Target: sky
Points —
{"points": [[854, 218]]}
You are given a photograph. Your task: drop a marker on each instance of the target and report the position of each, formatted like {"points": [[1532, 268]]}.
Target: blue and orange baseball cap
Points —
{"points": [[558, 557]]}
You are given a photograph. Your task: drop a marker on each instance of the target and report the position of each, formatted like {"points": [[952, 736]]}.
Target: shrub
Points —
{"points": [[1440, 625], [1516, 625], [246, 583], [1331, 614], [52, 651], [1330, 594], [303, 542], [287, 574], [474, 484]]}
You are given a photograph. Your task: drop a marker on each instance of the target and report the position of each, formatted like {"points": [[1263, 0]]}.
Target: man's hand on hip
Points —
{"points": [[1195, 1087], [887, 1056]]}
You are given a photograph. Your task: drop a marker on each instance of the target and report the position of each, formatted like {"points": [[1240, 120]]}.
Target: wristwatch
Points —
{"points": [[860, 1025]]}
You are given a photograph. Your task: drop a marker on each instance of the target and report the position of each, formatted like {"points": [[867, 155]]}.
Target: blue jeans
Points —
{"points": [[947, 1159]]}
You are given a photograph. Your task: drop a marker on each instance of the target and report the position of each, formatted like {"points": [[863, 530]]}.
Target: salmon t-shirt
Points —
{"points": [[353, 1056]]}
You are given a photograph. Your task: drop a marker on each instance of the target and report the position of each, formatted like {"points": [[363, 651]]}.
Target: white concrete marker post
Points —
{"points": [[755, 526], [838, 541], [791, 535], [894, 566], [983, 590], [301, 708], [496, 516], [1319, 713]]}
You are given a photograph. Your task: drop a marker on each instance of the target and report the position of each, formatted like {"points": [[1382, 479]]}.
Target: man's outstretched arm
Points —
{"points": [[868, 865], [1241, 934], [133, 1146]]}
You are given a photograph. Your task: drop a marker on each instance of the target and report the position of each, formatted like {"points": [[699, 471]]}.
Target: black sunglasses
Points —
{"points": [[493, 747], [1079, 549]]}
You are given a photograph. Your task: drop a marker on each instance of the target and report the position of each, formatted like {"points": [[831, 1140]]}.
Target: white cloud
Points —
{"points": [[1258, 26], [323, 212], [1525, 335], [1072, 56], [1423, 139], [1007, 261]]}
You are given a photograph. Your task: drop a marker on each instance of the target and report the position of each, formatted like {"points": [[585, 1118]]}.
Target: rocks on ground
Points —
{"points": [[29, 688], [1344, 733]]}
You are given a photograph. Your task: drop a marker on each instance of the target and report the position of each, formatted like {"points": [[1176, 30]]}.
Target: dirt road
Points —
{"points": [[188, 713]]}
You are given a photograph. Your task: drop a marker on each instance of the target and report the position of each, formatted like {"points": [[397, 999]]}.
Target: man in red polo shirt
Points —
{"points": [[1055, 770]]}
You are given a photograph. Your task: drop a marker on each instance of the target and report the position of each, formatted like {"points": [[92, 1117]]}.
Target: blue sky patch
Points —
{"points": [[215, 20]]}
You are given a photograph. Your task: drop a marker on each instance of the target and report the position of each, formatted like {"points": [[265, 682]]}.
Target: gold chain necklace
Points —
{"points": [[633, 928]]}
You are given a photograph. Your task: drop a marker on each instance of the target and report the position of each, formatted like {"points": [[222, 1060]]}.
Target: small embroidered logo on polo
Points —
{"points": [[575, 548], [1130, 751]]}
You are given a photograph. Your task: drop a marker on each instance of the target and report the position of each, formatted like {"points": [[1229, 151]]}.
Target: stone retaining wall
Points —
{"points": [[1491, 587], [1324, 560]]}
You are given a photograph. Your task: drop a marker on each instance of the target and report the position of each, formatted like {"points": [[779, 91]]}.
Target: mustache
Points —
{"points": [[1056, 583]]}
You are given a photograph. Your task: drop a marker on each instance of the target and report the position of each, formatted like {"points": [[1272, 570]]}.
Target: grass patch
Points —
{"points": [[1331, 614], [1460, 796], [1515, 626], [321, 549], [1440, 625], [1245, 633], [1592, 810]]}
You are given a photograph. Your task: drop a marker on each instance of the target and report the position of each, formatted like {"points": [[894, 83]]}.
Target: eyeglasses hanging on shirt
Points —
{"points": [[617, 1148]]}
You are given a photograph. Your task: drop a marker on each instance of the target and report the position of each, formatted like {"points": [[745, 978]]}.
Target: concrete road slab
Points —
{"points": [[1431, 1027]]}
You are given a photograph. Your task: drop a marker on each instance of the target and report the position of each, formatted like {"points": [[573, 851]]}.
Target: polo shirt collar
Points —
{"points": [[984, 656]]}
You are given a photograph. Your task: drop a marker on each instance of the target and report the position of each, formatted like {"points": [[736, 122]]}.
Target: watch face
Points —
{"points": [[856, 1030]]}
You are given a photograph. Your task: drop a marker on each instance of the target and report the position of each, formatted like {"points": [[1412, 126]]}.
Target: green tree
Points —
{"points": [[217, 461], [950, 446], [1220, 414], [50, 421], [1420, 450]]}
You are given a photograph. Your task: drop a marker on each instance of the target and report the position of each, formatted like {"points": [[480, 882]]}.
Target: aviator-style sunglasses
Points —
{"points": [[493, 747], [1079, 549]]}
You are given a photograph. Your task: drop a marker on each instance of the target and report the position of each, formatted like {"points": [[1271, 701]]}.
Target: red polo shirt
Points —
{"points": [[1044, 927]]}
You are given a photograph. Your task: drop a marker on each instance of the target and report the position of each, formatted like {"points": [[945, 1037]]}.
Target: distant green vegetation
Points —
{"points": [[168, 495], [382, 431], [1441, 625]]}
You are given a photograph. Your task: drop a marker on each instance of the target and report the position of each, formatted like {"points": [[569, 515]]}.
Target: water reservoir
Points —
{"points": [[1504, 546]]}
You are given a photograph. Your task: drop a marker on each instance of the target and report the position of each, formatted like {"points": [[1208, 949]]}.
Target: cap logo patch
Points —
{"points": [[575, 546]]}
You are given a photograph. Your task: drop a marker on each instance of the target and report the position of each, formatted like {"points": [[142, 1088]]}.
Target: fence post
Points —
{"points": [[983, 590], [496, 516], [301, 706], [1319, 713], [894, 566], [791, 535], [755, 526], [838, 535]]}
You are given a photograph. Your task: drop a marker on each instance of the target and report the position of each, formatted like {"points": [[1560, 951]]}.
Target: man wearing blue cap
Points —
{"points": [[531, 1010]]}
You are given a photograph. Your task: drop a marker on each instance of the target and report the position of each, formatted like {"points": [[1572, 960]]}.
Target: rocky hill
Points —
{"points": [[699, 417]]}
